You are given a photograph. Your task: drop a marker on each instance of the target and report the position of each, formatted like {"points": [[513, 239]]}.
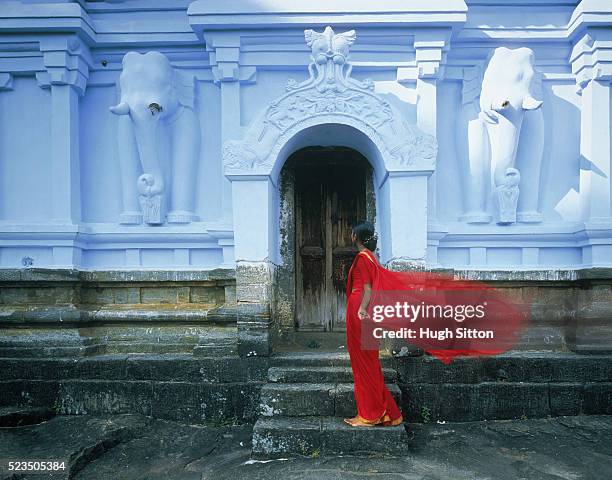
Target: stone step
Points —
{"points": [[274, 437], [312, 341], [319, 359], [514, 366], [131, 367], [188, 402], [458, 402], [533, 367], [36, 352], [311, 399], [201, 389], [319, 375]]}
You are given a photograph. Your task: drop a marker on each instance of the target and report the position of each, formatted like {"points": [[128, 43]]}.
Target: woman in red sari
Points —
{"points": [[375, 405]]}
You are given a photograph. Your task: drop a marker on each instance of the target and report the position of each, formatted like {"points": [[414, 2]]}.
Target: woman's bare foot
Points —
{"points": [[351, 420], [361, 422], [387, 422]]}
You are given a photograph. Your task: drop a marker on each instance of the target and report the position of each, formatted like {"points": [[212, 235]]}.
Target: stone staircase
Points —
{"points": [[302, 409]]}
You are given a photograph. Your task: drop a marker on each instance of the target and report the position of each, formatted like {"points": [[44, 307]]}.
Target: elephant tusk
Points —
{"points": [[122, 109], [530, 103]]}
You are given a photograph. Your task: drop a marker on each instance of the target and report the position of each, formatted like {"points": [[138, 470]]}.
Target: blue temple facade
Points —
{"points": [[214, 155], [179, 178], [94, 179]]}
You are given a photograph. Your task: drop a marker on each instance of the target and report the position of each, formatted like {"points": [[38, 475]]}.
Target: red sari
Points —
{"points": [[374, 401]]}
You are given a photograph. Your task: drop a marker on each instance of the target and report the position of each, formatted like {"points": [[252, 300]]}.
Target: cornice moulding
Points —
{"points": [[590, 13], [212, 15], [17, 17]]}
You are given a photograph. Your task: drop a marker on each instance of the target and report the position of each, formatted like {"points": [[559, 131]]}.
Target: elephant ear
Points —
{"points": [[472, 83], [184, 85], [531, 102], [122, 100]]}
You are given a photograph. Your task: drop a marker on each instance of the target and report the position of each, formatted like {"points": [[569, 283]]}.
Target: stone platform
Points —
{"points": [[132, 447], [203, 389], [512, 385]]}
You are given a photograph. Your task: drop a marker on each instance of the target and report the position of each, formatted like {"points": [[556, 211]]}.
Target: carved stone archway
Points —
{"points": [[330, 95], [403, 158]]}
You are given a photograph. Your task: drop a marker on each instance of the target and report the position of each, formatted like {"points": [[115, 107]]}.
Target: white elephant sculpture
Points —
{"points": [[505, 137], [159, 142]]}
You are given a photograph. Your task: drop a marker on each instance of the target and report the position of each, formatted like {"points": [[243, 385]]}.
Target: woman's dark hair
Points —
{"points": [[364, 231]]}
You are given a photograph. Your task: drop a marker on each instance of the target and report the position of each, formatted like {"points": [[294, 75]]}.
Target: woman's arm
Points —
{"points": [[365, 300]]}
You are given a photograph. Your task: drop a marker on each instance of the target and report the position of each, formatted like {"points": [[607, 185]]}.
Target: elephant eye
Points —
{"points": [[155, 108]]}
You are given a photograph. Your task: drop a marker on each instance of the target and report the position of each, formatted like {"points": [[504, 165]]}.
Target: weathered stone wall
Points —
{"points": [[569, 310], [175, 387], [67, 312], [47, 313], [167, 344], [227, 389], [284, 281], [513, 385], [253, 304]]}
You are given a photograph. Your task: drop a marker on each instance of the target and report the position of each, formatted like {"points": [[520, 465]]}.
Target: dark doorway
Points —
{"points": [[332, 187]]}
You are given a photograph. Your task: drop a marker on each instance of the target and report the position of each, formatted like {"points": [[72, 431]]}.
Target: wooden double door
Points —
{"points": [[331, 186]]}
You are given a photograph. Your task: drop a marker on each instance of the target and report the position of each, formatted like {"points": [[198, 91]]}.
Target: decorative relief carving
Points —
{"points": [[417, 146], [239, 155], [506, 197], [286, 112], [150, 199], [330, 95]]}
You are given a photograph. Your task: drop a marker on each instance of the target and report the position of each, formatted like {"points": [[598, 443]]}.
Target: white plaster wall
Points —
{"points": [[270, 85], [448, 172], [209, 189], [561, 162], [25, 131], [100, 174]]}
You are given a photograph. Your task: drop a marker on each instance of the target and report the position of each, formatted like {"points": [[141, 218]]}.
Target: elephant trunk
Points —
{"points": [[146, 133], [504, 143]]}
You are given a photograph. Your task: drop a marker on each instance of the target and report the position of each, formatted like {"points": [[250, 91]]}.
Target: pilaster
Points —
{"points": [[229, 74], [253, 231], [407, 244], [431, 47], [591, 62], [431, 50], [67, 62]]}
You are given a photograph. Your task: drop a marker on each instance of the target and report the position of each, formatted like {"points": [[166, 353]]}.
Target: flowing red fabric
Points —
{"points": [[371, 394], [502, 315]]}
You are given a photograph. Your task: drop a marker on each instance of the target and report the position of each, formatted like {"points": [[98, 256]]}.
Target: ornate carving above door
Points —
{"points": [[330, 96]]}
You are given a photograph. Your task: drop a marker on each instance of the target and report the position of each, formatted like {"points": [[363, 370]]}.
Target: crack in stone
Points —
{"points": [[89, 454]]}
